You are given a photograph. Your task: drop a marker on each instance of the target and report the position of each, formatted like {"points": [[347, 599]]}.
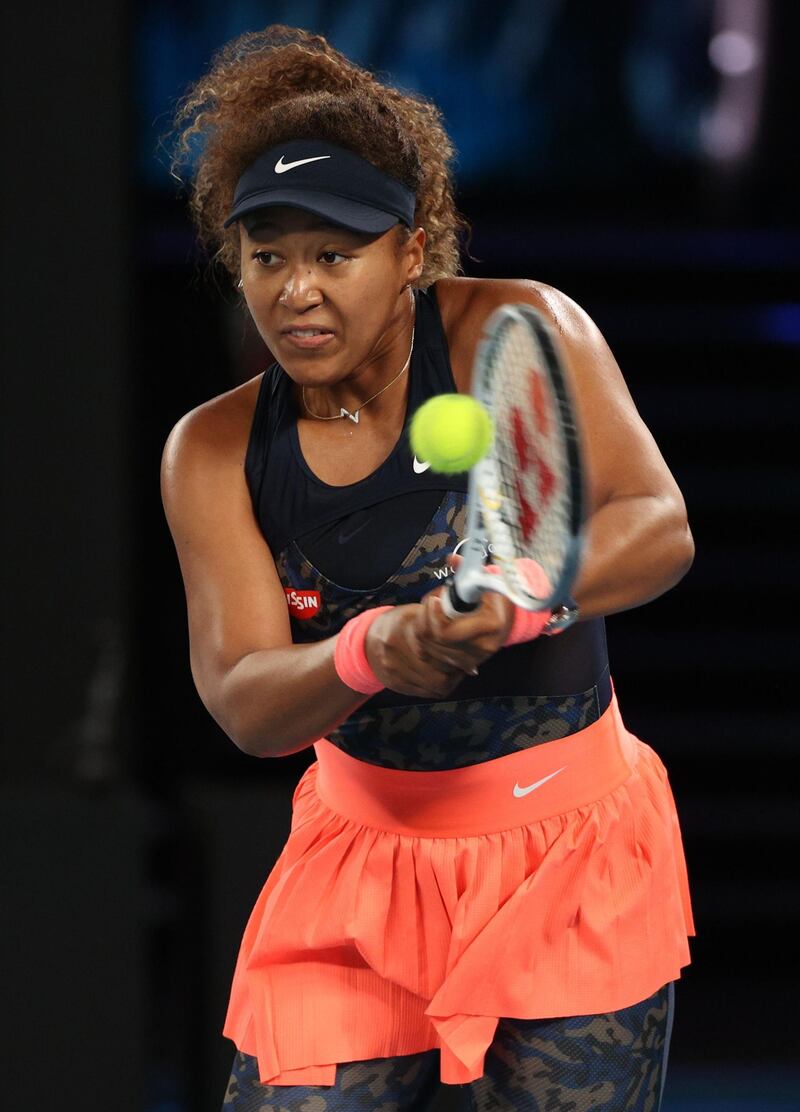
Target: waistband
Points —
{"points": [[513, 790]]}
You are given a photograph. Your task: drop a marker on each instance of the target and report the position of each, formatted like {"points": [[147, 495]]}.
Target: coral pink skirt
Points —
{"points": [[413, 910]]}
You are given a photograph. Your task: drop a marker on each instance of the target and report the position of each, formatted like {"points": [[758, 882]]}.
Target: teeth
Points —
{"points": [[307, 332]]}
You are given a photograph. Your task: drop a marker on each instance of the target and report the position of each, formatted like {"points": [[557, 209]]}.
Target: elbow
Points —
{"points": [[253, 738], [681, 548], [224, 714], [689, 549], [229, 726], [244, 736], [253, 747], [233, 730]]}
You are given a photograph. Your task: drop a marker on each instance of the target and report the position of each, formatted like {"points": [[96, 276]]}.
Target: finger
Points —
{"points": [[432, 612], [430, 650], [434, 617], [451, 658], [436, 642], [480, 635], [463, 629], [425, 616], [432, 668], [434, 683], [428, 680], [500, 610], [490, 620], [399, 664]]}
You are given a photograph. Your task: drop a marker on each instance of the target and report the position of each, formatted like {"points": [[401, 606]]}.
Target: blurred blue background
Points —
{"points": [[637, 154], [537, 94]]}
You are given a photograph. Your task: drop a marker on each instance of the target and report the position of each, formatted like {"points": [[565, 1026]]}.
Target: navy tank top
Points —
{"points": [[383, 541]]}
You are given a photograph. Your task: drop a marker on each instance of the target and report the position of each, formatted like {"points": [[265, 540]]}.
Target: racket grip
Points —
{"points": [[453, 605]]}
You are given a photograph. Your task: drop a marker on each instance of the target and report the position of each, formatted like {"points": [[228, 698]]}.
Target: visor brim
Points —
{"points": [[340, 211]]}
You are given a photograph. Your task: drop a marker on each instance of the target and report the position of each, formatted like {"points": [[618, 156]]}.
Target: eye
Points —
{"points": [[266, 258], [331, 258]]}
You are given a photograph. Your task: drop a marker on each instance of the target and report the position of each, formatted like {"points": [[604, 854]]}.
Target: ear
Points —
{"points": [[414, 255]]}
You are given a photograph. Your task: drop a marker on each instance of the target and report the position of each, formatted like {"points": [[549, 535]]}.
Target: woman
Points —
{"points": [[416, 927]]}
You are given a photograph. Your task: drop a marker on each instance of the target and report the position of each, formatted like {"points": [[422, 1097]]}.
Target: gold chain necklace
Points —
{"points": [[346, 412]]}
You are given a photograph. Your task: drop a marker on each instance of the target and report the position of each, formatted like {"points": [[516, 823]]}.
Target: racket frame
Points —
{"points": [[483, 505]]}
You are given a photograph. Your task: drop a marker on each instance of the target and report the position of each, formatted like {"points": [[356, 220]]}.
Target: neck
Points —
{"points": [[365, 385]]}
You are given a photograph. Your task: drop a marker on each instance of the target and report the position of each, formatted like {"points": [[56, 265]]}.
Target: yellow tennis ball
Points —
{"points": [[451, 432]]}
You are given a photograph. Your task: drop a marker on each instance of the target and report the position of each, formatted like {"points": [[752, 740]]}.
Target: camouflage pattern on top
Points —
{"points": [[435, 736], [428, 736]]}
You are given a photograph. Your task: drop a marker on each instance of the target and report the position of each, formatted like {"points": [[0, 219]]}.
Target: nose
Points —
{"points": [[301, 290]]}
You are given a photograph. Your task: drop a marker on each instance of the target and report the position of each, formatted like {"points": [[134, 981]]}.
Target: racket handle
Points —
{"points": [[453, 604]]}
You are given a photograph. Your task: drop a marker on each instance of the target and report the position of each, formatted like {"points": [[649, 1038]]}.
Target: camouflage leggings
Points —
{"points": [[606, 1063]]}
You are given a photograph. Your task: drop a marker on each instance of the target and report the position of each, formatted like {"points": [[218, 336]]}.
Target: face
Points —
{"points": [[329, 303]]}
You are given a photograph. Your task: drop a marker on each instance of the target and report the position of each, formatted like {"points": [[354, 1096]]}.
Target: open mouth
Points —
{"points": [[308, 337]]}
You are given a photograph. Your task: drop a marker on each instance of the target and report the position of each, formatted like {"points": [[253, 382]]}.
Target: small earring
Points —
{"points": [[241, 284]]}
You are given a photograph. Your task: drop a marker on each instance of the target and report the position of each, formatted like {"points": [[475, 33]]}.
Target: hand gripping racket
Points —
{"points": [[525, 497]]}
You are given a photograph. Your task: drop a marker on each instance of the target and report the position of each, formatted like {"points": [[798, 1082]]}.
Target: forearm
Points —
{"points": [[278, 701], [637, 548]]}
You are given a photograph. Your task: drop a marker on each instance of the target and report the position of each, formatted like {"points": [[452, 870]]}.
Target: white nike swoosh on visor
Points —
{"points": [[420, 467], [519, 792], [281, 167]]}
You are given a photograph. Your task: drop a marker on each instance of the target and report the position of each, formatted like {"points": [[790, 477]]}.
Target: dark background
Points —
{"points": [[638, 156]]}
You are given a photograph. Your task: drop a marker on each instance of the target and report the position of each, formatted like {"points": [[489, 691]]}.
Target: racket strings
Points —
{"points": [[531, 512]]}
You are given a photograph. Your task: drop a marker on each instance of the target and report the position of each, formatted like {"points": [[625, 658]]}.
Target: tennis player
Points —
{"points": [[484, 884]]}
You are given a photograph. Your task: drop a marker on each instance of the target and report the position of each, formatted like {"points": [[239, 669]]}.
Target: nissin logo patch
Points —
{"points": [[302, 604]]}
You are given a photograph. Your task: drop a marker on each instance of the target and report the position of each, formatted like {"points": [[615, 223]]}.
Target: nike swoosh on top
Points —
{"points": [[519, 792], [344, 539], [420, 467], [281, 167]]}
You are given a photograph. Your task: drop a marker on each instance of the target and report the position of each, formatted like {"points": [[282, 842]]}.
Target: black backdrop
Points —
{"points": [[135, 835]]}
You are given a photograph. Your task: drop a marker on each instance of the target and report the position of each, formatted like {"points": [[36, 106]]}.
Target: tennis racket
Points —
{"points": [[525, 497]]}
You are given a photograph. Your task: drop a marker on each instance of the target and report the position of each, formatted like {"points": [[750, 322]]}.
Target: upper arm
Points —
{"points": [[621, 456], [234, 597]]}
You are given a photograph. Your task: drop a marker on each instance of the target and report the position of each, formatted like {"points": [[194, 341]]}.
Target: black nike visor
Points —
{"points": [[326, 180]]}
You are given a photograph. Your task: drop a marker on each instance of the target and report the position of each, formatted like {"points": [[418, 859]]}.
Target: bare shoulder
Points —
{"points": [[620, 453], [466, 303], [203, 460], [218, 428]]}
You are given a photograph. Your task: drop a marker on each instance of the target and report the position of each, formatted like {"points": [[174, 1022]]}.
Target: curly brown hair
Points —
{"points": [[266, 87]]}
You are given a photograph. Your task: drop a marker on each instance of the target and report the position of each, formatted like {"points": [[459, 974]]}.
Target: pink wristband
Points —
{"points": [[527, 624], [349, 654]]}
